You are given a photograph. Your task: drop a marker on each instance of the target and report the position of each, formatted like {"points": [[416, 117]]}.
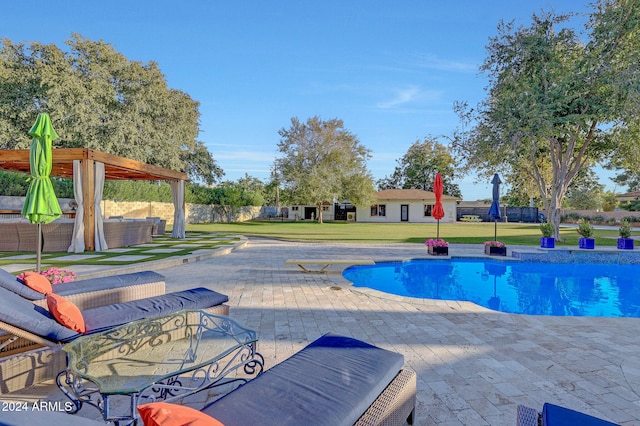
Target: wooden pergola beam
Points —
{"points": [[115, 167]]}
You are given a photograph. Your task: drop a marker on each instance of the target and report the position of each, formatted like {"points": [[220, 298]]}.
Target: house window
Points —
{"points": [[294, 208], [325, 208], [379, 210], [427, 209]]}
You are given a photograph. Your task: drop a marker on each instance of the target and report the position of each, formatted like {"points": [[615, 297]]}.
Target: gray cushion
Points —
{"points": [[332, 382], [21, 313], [104, 283], [105, 317], [10, 282]]}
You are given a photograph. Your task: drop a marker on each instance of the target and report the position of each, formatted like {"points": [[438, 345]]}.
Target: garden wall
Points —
{"points": [[602, 218], [195, 213]]}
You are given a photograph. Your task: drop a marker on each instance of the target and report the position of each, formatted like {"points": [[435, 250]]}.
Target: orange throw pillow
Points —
{"points": [[65, 312], [165, 414], [37, 282]]}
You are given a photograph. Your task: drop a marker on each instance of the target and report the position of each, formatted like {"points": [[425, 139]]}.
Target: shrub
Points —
{"points": [[547, 229], [625, 229], [584, 228]]}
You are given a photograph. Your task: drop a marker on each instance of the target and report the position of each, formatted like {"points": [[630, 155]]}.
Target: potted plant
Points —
{"points": [[547, 240], [495, 248], [586, 231], [438, 247], [625, 242]]}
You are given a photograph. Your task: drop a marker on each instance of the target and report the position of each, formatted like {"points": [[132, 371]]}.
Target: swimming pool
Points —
{"points": [[534, 288]]}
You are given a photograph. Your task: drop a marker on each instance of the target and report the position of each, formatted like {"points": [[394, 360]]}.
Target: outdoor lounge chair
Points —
{"points": [[85, 294], [93, 292], [22, 319], [335, 380], [554, 415]]}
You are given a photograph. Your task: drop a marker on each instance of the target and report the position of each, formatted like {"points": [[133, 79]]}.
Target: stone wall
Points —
{"points": [[195, 213]]}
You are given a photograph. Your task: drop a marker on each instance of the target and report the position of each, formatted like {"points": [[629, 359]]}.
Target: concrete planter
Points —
{"points": [[438, 251], [495, 251]]}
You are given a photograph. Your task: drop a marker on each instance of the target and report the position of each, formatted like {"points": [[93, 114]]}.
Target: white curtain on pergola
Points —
{"points": [[100, 242], [177, 189], [77, 239]]}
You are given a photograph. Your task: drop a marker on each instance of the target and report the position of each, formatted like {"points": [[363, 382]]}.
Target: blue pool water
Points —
{"points": [[534, 288]]}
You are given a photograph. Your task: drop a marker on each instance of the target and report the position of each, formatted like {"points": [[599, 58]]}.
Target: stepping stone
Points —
{"points": [[129, 258], [76, 257], [162, 250], [20, 257]]}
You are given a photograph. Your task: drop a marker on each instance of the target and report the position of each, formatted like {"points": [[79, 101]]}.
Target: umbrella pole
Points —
{"points": [[495, 230], [438, 230], [39, 248]]}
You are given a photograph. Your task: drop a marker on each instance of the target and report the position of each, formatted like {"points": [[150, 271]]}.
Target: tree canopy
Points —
{"points": [[418, 167], [321, 162], [558, 101], [99, 99]]}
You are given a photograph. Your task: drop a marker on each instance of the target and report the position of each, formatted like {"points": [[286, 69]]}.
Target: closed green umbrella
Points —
{"points": [[41, 205]]}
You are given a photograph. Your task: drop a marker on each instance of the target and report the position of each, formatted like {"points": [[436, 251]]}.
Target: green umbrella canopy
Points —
{"points": [[41, 204]]}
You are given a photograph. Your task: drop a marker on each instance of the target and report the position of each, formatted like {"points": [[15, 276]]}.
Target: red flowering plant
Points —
{"points": [[436, 243], [56, 275], [494, 244]]}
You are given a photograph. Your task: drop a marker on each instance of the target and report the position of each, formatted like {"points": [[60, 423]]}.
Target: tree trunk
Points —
{"points": [[319, 213]]}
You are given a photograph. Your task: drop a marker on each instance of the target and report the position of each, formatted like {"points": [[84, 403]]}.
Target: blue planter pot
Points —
{"points": [[547, 242], [625, 243], [587, 243]]}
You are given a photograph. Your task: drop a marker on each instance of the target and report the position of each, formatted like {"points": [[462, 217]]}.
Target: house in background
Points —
{"points": [[393, 206], [407, 205]]}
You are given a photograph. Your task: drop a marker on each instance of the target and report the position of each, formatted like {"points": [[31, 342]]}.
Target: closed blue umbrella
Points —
{"points": [[41, 205], [494, 210]]}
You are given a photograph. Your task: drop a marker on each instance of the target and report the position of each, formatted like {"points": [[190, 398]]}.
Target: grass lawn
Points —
{"points": [[509, 233]]}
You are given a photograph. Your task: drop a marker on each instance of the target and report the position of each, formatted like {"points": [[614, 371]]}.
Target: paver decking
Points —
{"points": [[474, 366]]}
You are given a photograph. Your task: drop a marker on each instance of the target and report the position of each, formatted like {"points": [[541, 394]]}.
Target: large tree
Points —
{"points": [[558, 101], [321, 162], [418, 167], [99, 99]]}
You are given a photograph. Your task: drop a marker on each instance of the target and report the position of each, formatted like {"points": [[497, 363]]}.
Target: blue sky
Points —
{"points": [[391, 70]]}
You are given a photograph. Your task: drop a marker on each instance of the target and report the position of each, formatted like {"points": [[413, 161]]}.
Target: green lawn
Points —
{"points": [[509, 233]]}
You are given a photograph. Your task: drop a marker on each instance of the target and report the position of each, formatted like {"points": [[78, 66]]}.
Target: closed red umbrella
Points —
{"points": [[438, 209]]}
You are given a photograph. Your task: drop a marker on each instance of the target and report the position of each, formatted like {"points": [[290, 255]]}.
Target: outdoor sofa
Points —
{"points": [[20, 235], [22, 319]]}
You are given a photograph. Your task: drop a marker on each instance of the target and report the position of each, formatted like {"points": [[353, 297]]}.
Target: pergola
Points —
{"points": [[115, 167]]}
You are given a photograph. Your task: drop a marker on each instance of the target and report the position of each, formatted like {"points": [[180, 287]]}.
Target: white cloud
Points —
{"points": [[436, 63], [409, 95]]}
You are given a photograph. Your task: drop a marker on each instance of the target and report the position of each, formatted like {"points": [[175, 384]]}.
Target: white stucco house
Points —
{"points": [[393, 206], [407, 205]]}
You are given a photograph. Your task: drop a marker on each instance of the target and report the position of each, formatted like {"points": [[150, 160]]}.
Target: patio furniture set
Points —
{"points": [[147, 345], [20, 235]]}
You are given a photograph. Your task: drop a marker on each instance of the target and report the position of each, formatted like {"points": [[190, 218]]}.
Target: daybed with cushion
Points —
{"points": [[85, 294], [333, 381], [22, 318], [93, 292]]}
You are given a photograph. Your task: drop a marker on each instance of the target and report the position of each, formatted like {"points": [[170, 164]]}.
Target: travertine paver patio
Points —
{"points": [[474, 365]]}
